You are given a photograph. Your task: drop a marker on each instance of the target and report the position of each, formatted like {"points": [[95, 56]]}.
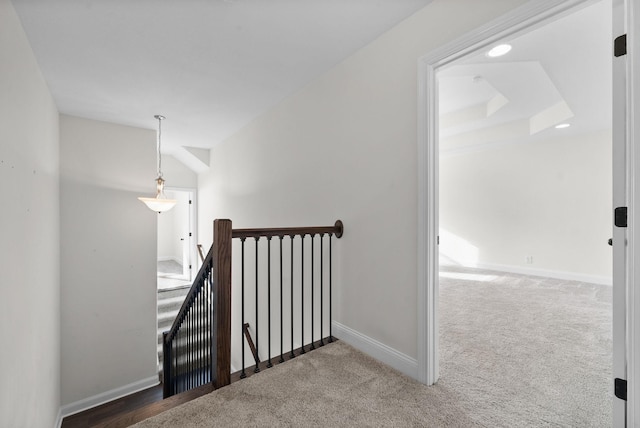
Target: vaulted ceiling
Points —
{"points": [[212, 66], [558, 73], [209, 66]]}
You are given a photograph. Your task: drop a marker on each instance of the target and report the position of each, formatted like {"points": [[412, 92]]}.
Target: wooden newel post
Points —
{"points": [[221, 303]]}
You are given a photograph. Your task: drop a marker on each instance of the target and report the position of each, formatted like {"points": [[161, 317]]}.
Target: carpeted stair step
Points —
{"points": [[169, 304], [165, 319]]}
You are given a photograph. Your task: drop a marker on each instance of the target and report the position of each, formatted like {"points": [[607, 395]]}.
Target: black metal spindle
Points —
{"points": [[166, 366], [281, 360], [174, 362], [195, 341], [196, 345], [201, 341], [180, 351], [186, 371], [207, 329], [188, 360], [302, 294], [203, 361], [174, 368], [321, 289], [185, 360], [243, 374], [330, 290], [204, 338], [198, 315], [312, 291], [192, 331], [192, 315], [187, 332], [257, 369], [192, 346], [292, 354], [192, 334], [184, 347], [211, 314], [210, 325], [269, 364]]}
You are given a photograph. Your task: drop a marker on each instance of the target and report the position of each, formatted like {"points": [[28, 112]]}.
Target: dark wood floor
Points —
{"points": [[137, 407], [131, 409], [106, 411]]}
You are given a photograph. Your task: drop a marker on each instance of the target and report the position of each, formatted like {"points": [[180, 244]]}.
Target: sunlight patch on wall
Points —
{"points": [[458, 250]]}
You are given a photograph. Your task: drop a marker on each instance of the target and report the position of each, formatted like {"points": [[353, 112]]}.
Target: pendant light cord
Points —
{"points": [[159, 139]]}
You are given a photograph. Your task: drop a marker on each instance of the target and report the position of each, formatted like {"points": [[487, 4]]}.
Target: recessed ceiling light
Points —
{"points": [[563, 125], [498, 51]]}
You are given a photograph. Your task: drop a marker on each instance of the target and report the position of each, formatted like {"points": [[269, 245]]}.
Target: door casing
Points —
{"points": [[525, 18]]}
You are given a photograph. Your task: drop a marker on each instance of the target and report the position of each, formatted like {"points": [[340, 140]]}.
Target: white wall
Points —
{"points": [[108, 257], [345, 147], [29, 230], [177, 174], [550, 200]]}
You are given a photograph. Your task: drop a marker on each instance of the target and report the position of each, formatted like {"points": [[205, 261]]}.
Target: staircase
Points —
{"points": [[197, 346], [169, 303]]}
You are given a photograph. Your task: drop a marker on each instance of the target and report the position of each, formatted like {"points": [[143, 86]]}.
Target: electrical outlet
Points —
{"points": [[528, 260]]}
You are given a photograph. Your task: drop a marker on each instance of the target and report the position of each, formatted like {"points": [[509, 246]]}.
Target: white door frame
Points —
{"points": [[620, 198], [193, 225], [632, 9], [530, 15]]}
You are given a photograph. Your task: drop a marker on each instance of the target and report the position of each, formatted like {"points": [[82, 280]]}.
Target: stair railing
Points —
{"points": [[197, 348], [291, 312]]}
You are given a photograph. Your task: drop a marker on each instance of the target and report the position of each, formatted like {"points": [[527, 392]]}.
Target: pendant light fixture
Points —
{"points": [[160, 203]]}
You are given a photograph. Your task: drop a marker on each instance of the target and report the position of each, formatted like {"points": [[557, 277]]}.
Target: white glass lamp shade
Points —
{"points": [[160, 203]]}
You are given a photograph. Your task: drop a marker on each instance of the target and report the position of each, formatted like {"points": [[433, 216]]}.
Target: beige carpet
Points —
{"points": [[517, 351]]}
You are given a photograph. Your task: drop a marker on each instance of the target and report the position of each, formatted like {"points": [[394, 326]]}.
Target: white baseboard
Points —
{"points": [[105, 397], [377, 350], [570, 276], [58, 423]]}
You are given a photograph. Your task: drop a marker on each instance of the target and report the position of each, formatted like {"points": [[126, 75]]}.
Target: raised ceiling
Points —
{"points": [[557, 73], [209, 66]]}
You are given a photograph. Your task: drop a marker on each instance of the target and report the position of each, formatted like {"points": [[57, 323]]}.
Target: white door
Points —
{"points": [[188, 244], [620, 201]]}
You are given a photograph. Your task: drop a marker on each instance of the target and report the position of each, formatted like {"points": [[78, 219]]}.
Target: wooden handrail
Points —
{"points": [[200, 252], [192, 292], [336, 230]]}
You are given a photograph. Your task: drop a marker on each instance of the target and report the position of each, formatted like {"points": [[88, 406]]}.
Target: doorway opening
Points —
{"points": [[476, 245], [177, 262]]}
